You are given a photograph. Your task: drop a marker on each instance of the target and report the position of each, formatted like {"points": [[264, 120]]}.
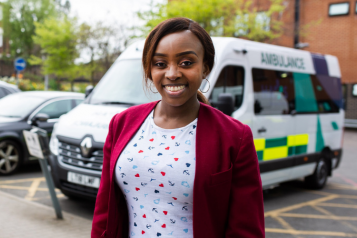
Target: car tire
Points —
{"points": [[319, 178], [10, 157]]}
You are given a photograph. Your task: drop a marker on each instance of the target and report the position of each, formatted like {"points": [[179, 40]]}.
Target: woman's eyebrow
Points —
{"points": [[186, 53], [179, 54]]}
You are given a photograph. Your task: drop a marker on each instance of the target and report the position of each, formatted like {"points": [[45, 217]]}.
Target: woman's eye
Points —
{"points": [[186, 63], [160, 64]]}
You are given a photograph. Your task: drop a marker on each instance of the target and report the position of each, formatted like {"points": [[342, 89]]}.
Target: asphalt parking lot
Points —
{"points": [[291, 210]]}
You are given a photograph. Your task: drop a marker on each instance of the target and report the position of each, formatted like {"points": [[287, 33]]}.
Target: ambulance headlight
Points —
{"points": [[54, 141]]}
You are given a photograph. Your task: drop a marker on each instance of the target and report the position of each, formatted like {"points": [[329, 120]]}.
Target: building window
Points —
{"points": [[354, 90], [339, 9], [356, 8]]}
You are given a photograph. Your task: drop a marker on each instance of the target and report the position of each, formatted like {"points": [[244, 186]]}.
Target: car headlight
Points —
{"points": [[54, 141]]}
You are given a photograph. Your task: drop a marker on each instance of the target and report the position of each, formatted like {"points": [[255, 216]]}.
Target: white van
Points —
{"points": [[291, 99]]}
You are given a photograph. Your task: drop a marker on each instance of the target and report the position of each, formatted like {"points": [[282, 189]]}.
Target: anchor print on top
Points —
{"points": [[157, 175]]}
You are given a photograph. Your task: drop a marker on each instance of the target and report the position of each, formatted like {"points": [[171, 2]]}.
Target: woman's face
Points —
{"points": [[177, 68]]}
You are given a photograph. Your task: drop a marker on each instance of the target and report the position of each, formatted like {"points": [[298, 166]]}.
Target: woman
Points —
{"points": [[178, 167]]}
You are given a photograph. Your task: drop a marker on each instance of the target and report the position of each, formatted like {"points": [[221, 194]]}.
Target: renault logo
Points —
{"points": [[86, 146]]}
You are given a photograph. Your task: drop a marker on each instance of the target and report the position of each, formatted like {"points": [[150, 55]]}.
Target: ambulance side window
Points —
{"points": [[273, 92], [230, 80]]}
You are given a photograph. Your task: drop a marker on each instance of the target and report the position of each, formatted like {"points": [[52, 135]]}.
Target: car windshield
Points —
{"points": [[18, 105], [123, 84]]}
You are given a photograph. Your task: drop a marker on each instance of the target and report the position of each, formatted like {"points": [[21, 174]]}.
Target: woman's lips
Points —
{"points": [[175, 90]]}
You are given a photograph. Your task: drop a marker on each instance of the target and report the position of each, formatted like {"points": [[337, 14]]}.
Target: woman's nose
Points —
{"points": [[173, 73]]}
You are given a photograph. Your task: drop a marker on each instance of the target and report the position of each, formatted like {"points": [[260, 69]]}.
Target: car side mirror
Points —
{"points": [[41, 117], [89, 89], [225, 103]]}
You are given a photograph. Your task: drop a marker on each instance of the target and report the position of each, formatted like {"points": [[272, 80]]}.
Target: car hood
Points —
{"points": [[8, 119], [88, 119]]}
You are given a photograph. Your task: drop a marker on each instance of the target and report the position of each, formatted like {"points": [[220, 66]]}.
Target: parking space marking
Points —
{"points": [[299, 205], [21, 188], [313, 233], [278, 214], [338, 205], [312, 216], [342, 186], [333, 217], [317, 204], [61, 195], [32, 189], [21, 180]]}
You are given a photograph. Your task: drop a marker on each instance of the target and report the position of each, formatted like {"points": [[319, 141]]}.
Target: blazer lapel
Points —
{"points": [[132, 124]]}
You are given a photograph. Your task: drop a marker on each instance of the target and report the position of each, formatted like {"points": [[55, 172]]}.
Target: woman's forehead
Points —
{"points": [[179, 42]]}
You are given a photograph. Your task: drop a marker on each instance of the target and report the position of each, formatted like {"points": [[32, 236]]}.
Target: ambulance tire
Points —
{"points": [[319, 178]]}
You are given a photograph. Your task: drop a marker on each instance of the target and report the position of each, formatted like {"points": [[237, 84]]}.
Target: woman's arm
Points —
{"points": [[246, 217], [101, 205]]}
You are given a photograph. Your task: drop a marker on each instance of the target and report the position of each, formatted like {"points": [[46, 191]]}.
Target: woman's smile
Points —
{"points": [[175, 90]]}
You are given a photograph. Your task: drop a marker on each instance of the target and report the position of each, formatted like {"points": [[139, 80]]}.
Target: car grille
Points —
{"points": [[71, 154]]}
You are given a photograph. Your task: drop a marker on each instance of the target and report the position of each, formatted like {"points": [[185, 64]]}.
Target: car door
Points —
{"points": [[273, 123], [54, 109]]}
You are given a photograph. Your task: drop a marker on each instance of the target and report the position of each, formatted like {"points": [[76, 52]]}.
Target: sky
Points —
{"points": [[116, 12], [111, 11]]}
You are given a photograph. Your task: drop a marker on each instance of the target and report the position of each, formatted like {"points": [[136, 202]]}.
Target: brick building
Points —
{"points": [[328, 27]]}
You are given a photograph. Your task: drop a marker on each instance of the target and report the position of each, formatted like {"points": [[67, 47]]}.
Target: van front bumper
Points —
{"points": [[59, 175]]}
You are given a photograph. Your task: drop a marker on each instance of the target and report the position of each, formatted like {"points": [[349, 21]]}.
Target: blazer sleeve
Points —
{"points": [[246, 216], [102, 202]]}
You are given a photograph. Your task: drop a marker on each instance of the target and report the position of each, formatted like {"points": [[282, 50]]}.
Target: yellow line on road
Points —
{"points": [[296, 206], [296, 215], [327, 194], [283, 222], [341, 186], [32, 189], [21, 188], [21, 180], [47, 197], [337, 205], [314, 233], [324, 211]]}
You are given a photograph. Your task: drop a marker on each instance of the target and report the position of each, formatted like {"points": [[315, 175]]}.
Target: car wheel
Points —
{"points": [[319, 178], [9, 157]]}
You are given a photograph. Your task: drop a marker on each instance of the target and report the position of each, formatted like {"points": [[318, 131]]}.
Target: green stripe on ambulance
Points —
{"points": [[277, 148]]}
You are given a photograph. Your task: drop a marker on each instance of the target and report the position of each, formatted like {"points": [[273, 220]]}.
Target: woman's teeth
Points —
{"points": [[175, 88]]}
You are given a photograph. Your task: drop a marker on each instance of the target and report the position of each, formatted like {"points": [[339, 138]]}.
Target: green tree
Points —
{"points": [[58, 41], [234, 18], [20, 17], [102, 44]]}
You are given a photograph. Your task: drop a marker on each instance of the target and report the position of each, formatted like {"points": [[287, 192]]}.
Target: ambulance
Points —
{"points": [[291, 99]]}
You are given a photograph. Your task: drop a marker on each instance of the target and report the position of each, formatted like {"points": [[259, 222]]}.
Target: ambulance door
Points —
{"points": [[273, 123], [231, 78]]}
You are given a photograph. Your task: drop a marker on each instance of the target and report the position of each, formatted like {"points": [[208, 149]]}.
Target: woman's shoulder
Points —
{"points": [[215, 117], [134, 112]]}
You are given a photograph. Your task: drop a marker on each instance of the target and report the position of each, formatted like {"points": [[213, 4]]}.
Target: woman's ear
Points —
{"points": [[206, 71]]}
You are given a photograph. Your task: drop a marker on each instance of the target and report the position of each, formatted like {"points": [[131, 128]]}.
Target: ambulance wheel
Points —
{"points": [[319, 178]]}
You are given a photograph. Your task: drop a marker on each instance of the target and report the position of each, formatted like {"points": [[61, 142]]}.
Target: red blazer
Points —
{"points": [[227, 191]]}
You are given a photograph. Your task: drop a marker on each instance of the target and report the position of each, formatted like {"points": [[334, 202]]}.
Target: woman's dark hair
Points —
{"points": [[174, 25]]}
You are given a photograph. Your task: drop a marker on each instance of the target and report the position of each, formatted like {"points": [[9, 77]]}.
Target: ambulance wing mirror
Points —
{"points": [[89, 89], [225, 103]]}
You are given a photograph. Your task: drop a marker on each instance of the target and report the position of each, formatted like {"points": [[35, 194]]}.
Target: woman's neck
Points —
{"points": [[171, 117]]}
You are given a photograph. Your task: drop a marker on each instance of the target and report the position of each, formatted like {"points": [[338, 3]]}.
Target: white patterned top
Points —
{"points": [[156, 172]]}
